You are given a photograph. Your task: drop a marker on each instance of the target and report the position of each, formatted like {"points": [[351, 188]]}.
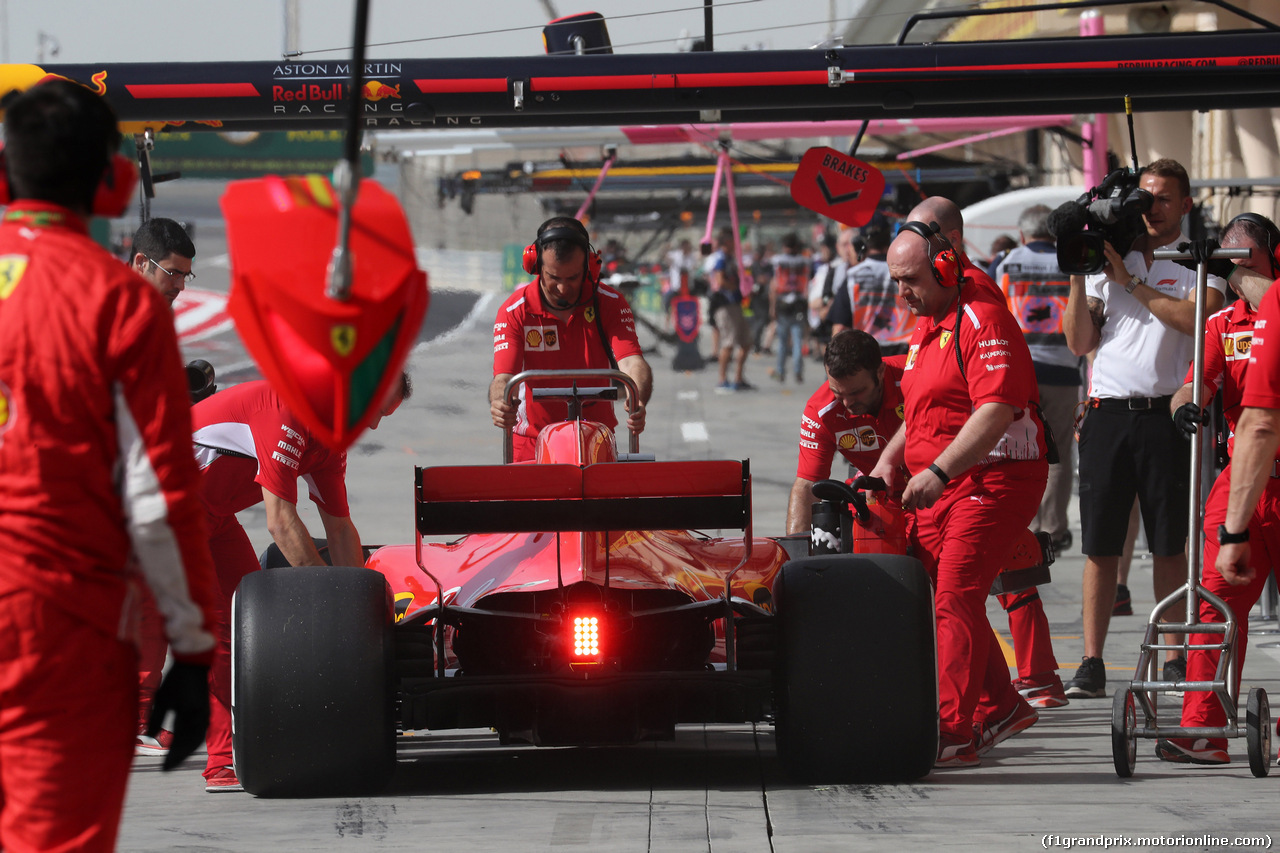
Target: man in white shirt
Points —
{"points": [[1140, 315]]}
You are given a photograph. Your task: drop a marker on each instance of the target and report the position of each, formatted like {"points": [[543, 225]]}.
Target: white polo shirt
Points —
{"points": [[1138, 356]]}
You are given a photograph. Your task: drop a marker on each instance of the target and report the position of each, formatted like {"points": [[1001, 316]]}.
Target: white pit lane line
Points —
{"points": [[694, 431]]}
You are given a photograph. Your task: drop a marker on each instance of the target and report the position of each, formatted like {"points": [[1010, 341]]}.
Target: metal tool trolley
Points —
{"points": [[1140, 697]]}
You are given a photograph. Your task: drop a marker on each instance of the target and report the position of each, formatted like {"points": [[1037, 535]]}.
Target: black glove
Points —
{"points": [[1188, 416], [185, 691]]}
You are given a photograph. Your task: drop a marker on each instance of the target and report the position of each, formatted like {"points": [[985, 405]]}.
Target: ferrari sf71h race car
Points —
{"points": [[581, 606]]}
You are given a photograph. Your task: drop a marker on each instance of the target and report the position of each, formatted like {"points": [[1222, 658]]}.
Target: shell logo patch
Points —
{"points": [[343, 338], [12, 268], [944, 340], [1237, 346], [848, 441], [590, 314], [533, 339]]}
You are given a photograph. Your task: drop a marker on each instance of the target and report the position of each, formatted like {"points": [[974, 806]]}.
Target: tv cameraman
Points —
{"points": [[1140, 315]]}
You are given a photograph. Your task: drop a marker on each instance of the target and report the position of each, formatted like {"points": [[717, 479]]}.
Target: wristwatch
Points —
{"points": [[1227, 538], [1134, 281]]}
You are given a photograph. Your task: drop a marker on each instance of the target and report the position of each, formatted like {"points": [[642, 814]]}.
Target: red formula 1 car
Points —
{"points": [[582, 607]]}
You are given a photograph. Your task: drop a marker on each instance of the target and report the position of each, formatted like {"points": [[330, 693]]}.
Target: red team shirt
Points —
{"points": [[272, 450], [94, 431], [827, 426], [526, 336], [938, 400], [1228, 344]]}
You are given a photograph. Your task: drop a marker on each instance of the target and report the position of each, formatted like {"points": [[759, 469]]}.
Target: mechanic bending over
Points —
{"points": [[162, 254], [856, 411], [565, 319], [251, 449], [977, 451], [96, 478]]}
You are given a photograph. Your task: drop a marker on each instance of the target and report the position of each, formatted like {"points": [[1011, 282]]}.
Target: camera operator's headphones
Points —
{"points": [[1272, 232], [944, 260], [859, 247], [575, 234]]}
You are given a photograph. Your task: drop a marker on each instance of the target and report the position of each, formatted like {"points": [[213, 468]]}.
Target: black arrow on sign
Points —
{"points": [[833, 200]]}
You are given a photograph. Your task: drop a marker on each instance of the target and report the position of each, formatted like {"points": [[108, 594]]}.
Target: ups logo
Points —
{"points": [[1237, 346], [867, 436]]}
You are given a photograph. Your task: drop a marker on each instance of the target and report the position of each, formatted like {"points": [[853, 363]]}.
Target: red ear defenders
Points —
{"points": [[944, 260], [114, 192], [532, 258], [1273, 235]]}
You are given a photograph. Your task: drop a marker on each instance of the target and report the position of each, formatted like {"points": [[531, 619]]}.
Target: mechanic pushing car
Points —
{"points": [[856, 411], [978, 454], [564, 319], [96, 477], [252, 450]]}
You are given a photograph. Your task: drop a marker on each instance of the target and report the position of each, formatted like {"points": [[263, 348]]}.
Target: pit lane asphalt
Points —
{"points": [[716, 788]]}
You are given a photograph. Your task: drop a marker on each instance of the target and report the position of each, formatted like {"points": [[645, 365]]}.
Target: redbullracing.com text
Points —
{"points": [[1107, 842]]}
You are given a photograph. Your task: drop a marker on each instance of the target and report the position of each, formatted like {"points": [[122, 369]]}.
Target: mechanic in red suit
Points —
{"points": [[856, 411], [564, 319], [252, 450], [98, 489], [1229, 341], [976, 450], [1028, 624]]}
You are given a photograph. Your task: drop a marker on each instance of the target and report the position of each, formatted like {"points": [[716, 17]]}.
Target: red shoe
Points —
{"points": [[1188, 751], [956, 753], [222, 779], [158, 745], [1042, 690], [987, 734]]}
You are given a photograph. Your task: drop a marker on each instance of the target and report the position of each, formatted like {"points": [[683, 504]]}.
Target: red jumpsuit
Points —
{"points": [[527, 336], [96, 478], [247, 441], [1227, 355], [969, 533]]}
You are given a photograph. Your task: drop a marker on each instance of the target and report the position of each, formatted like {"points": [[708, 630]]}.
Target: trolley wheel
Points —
{"points": [[1124, 737], [1257, 729]]}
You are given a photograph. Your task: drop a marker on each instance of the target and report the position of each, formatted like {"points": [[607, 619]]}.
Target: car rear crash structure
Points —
{"points": [[582, 607]]}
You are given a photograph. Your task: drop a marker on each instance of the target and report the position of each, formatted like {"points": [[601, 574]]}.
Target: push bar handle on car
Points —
{"points": [[574, 394]]}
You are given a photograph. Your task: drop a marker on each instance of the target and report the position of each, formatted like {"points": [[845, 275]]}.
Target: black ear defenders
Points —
{"points": [[944, 260]]}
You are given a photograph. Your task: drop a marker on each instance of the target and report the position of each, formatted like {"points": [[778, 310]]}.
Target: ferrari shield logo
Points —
{"points": [[343, 338], [11, 269], [6, 410], [944, 340], [590, 314], [900, 411]]}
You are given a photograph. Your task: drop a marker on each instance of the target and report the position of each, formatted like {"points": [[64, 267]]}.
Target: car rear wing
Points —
{"points": [[604, 496]]}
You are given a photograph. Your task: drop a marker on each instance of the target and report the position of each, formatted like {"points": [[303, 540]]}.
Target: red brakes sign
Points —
{"points": [[837, 186]]}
